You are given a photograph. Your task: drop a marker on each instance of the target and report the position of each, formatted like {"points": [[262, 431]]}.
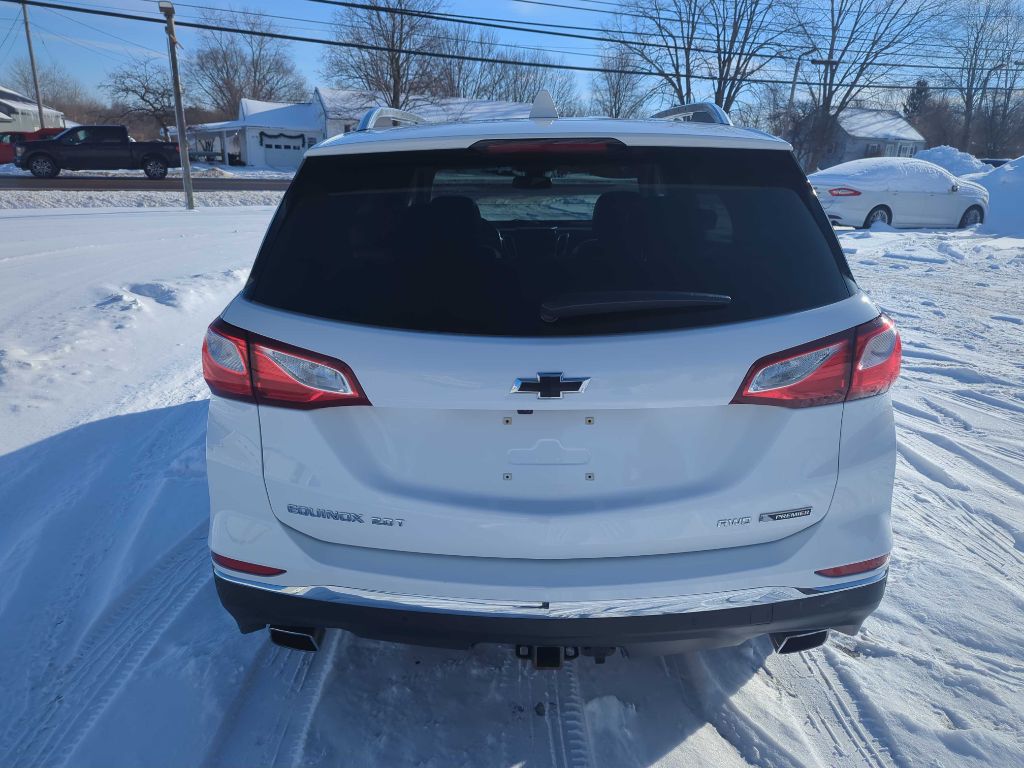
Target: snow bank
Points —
{"points": [[199, 170], [235, 172], [59, 198], [1005, 187], [953, 160]]}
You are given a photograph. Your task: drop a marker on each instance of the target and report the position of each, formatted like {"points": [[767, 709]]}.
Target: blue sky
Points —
{"points": [[89, 46]]}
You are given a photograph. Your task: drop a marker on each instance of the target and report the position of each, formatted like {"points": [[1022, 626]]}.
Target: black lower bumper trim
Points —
{"points": [[254, 608]]}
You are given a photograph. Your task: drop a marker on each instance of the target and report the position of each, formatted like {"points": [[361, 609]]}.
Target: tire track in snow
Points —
{"points": [[565, 720], [253, 733], [975, 535], [575, 735], [753, 741], [76, 696], [954, 459], [843, 726], [953, 448]]}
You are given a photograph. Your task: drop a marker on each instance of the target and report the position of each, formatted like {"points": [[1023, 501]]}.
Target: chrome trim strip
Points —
{"points": [[589, 609], [876, 577]]}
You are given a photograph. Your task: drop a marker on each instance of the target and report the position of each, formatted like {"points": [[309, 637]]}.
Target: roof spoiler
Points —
{"points": [[396, 116], [698, 112]]}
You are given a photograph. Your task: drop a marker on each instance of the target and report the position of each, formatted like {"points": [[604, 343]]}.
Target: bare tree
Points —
{"points": [[59, 88], [622, 92], [862, 43], [397, 31], [972, 38], [746, 35], [142, 88], [465, 78], [519, 79], [663, 35], [1000, 108], [229, 66], [772, 111]]}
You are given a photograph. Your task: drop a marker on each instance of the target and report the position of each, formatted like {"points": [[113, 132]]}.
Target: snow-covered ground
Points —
{"points": [[114, 650], [204, 170], [20, 200]]}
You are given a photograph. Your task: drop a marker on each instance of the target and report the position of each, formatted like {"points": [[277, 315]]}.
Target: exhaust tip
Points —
{"points": [[308, 639], [797, 642]]}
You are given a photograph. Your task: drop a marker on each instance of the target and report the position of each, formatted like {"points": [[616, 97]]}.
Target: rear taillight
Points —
{"points": [[860, 362], [295, 378], [243, 366], [878, 356], [853, 569], [844, 192], [243, 567], [226, 361]]}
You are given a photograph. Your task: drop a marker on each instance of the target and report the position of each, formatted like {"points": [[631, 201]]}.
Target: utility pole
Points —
{"points": [[832, 64], [32, 63], [167, 8], [796, 74]]}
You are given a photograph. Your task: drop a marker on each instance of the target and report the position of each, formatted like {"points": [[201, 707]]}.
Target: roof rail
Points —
{"points": [[697, 112], [369, 120]]}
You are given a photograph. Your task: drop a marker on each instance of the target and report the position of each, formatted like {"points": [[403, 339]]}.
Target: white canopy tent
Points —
{"points": [[265, 133]]}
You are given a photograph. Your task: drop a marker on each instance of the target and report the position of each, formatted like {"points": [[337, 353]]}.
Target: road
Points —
{"points": [[140, 183]]}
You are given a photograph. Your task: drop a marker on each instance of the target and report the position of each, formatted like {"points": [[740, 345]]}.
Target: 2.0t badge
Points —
{"points": [[343, 517]]}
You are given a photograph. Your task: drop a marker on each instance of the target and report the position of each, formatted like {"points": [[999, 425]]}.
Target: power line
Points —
{"points": [[407, 51], [108, 34], [349, 25], [781, 29], [842, 40], [14, 23], [92, 49], [616, 8], [324, 41], [512, 26], [462, 19]]}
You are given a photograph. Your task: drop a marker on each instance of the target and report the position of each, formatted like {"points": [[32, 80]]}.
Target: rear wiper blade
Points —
{"points": [[609, 302]]}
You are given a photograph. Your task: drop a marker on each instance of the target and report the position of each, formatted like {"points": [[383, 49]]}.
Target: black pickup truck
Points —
{"points": [[95, 148]]}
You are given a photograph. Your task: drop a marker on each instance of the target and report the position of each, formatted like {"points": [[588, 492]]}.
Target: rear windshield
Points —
{"points": [[483, 240]]}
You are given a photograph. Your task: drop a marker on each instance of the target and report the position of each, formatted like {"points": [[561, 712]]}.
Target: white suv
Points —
{"points": [[572, 385]]}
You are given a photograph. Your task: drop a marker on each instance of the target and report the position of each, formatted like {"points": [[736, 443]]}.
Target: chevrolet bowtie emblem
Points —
{"points": [[550, 385]]}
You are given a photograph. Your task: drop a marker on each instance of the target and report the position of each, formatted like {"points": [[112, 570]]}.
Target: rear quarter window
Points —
{"points": [[459, 241]]}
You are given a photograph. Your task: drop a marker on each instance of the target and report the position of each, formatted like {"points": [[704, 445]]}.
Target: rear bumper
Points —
{"points": [[844, 608]]}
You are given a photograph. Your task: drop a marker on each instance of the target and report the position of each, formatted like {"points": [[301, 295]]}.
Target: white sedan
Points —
{"points": [[899, 191]]}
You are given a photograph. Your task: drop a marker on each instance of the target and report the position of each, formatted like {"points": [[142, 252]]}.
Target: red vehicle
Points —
{"points": [[9, 138]]}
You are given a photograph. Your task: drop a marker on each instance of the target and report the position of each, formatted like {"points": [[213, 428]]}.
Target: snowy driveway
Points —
{"points": [[115, 652]]}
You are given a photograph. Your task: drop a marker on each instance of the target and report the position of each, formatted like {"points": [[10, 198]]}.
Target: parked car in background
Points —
{"points": [[96, 148], [9, 138], [899, 191], [570, 385]]}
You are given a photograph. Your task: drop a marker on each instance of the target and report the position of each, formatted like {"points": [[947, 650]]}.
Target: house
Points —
{"points": [[19, 113], [265, 133], [871, 133], [276, 135]]}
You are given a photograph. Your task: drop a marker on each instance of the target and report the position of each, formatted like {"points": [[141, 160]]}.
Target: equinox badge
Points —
{"points": [[549, 385]]}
